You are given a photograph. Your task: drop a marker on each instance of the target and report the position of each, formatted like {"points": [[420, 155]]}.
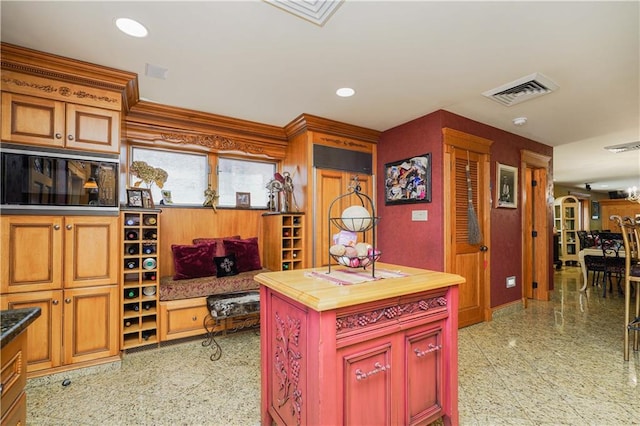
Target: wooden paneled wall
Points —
{"points": [[182, 225]]}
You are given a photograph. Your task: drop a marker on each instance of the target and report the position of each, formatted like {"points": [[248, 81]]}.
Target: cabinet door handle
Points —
{"points": [[377, 368], [70, 137], [56, 227], [194, 318], [55, 302], [58, 136], [69, 227], [432, 348], [67, 300]]}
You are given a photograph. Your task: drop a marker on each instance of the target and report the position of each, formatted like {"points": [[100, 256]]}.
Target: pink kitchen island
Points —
{"points": [[336, 351]]}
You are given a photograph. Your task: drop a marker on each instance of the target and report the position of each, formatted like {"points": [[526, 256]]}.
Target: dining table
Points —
{"points": [[593, 251]]}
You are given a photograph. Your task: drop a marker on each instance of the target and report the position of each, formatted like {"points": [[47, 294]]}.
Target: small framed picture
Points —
{"points": [[243, 199], [507, 186], [134, 198], [166, 197], [408, 180], [147, 199]]}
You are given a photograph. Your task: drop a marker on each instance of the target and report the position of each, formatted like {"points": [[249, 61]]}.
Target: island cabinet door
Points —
{"points": [[424, 374], [370, 375]]}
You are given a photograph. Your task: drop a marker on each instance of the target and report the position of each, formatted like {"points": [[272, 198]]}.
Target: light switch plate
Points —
{"points": [[419, 215]]}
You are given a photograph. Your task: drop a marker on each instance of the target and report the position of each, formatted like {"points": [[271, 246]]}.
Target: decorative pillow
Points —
{"points": [[220, 247], [246, 251], [193, 261], [226, 265]]}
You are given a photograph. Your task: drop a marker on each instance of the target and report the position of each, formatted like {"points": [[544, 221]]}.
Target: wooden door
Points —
{"points": [[91, 251], [28, 119], [461, 257], [370, 385], [32, 253], [44, 340], [330, 184], [91, 324], [93, 129], [536, 229]]}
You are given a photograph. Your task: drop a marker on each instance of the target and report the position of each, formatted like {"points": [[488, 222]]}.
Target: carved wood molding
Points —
{"points": [[388, 313], [170, 137], [45, 65], [286, 365], [307, 122]]}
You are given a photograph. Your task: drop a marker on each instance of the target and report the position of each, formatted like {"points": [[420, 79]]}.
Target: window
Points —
{"points": [[187, 174], [244, 176]]}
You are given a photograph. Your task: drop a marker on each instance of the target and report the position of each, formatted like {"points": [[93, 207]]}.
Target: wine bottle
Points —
{"points": [[146, 306], [132, 263], [150, 276], [132, 249], [127, 323], [131, 293], [146, 334], [149, 248], [150, 234], [149, 263], [130, 221], [150, 220], [132, 307], [131, 234]]}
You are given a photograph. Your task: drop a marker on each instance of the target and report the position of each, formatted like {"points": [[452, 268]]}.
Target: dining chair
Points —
{"points": [[631, 240], [614, 265]]}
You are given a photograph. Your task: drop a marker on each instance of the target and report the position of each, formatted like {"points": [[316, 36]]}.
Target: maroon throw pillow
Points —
{"points": [[193, 261], [246, 251], [220, 252]]}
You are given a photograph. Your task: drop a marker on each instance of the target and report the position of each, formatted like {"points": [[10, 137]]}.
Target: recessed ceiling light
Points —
{"points": [[131, 27], [520, 121], [345, 92]]}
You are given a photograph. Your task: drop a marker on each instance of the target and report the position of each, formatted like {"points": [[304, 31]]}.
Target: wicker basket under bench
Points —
{"points": [[183, 303]]}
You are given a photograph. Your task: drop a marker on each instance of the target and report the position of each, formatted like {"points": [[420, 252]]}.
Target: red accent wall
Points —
{"points": [[420, 244]]}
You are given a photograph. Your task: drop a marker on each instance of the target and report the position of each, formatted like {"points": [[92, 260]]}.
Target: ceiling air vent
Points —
{"points": [[623, 147], [316, 11], [521, 90]]}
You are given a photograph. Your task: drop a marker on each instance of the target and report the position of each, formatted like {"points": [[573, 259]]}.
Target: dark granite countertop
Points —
{"points": [[15, 321]]}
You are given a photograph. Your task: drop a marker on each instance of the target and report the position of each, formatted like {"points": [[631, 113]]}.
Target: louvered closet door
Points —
{"points": [[463, 258]]}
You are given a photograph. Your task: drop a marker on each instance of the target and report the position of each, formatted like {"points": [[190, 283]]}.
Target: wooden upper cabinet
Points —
{"points": [[39, 121], [54, 252], [90, 251], [32, 247]]}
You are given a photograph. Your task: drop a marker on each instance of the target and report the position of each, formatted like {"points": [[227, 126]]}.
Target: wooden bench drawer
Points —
{"points": [[182, 318]]}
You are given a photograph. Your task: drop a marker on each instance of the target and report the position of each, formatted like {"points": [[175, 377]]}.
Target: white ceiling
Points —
{"points": [[251, 60]]}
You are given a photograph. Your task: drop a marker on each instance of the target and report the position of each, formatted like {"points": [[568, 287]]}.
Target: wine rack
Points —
{"points": [[140, 277], [283, 237]]}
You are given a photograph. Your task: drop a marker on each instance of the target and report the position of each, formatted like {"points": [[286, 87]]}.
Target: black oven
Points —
{"points": [[50, 180]]}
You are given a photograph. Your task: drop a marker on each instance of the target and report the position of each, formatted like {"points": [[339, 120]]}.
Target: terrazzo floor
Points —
{"points": [[555, 363]]}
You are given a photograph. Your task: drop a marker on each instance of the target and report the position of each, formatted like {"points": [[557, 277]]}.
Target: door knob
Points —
{"points": [[484, 248]]}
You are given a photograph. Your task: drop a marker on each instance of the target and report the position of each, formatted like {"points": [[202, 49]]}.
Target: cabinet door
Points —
{"points": [[424, 380], [91, 251], [93, 129], [330, 185], [368, 383], [44, 340], [32, 120], [91, 323], [32, 247]]}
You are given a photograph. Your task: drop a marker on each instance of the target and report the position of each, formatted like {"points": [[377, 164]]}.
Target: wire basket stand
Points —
{"points": [[360, 224]]}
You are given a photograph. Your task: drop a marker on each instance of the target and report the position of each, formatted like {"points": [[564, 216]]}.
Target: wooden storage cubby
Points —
{"points": [[140, 277], [283, 241]]}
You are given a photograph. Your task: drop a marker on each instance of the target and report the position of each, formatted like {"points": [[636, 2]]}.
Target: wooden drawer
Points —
{"points": [[17, 414], [14, 372], [182, 318]]}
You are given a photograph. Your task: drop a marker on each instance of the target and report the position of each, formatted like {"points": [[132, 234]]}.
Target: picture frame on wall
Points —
{"points": [[506, 186], [134, 198], [595, 210], [243, 199], [408, 181]]}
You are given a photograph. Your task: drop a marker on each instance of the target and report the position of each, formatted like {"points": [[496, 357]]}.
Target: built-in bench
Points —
{"points": [[183, 302]]}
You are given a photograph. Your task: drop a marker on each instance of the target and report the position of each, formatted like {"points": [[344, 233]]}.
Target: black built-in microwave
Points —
{"points": [[39, 179]]}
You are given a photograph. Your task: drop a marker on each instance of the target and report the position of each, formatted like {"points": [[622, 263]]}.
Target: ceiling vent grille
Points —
{"points": [[623, 147], [316, 11], [521, 90]]}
